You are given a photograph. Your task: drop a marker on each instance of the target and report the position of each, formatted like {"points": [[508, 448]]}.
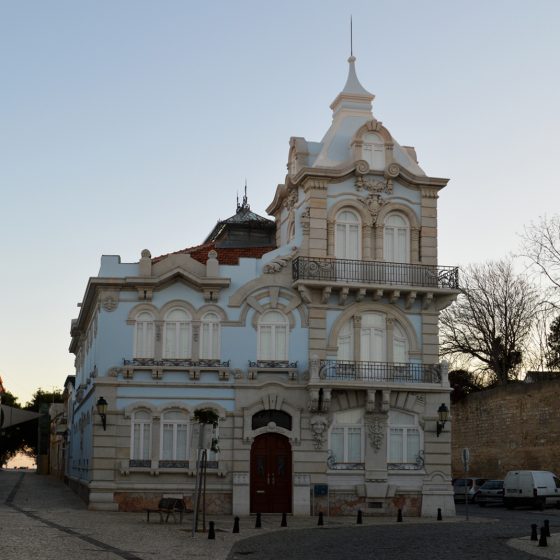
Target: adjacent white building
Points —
{"points": [[313, 336]]}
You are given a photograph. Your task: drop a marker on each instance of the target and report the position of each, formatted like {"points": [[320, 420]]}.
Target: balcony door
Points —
{"points": [[373, 338]]}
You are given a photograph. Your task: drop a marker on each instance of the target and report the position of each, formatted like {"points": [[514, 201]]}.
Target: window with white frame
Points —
{"points": [[346, 436], [210, 336], [396, 239], [177, 335], [174, 436], [141, 440], [373, 151], [345, 342], [405, 437], [144, 336], [400, 344], [347, 235], [273, 336], [373, 337]]}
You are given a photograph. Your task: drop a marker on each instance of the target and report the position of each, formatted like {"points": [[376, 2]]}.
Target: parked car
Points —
{"points": [[491, 492], [468, 486], [531, 488]]}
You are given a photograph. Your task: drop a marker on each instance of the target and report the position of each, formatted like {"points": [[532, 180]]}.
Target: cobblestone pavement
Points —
{"points": [[41, 518]]}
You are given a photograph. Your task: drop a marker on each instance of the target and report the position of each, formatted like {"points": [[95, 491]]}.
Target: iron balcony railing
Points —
{"points": [[375, 272], [345, 370]]}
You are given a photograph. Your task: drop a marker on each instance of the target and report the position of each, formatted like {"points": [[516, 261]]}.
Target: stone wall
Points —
{"points": [[507, 428]]}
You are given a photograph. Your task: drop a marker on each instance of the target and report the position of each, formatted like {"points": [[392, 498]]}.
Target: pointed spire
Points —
{"points": [[245, 203], [353, 95]]}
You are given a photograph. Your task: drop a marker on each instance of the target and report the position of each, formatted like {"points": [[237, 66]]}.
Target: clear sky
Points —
{"points": [[131, 124]]}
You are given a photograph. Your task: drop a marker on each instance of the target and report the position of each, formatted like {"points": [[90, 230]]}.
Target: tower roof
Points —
{"points": [[353, 95]]}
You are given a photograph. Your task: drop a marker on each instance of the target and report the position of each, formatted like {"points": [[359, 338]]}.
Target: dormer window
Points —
{"points": [[373, 151]]}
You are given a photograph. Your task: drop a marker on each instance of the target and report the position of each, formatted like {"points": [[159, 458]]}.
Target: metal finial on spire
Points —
{"points": [[351, 39]]}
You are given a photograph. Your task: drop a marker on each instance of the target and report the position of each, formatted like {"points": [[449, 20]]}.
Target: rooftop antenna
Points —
{"points": [[351, 42]]}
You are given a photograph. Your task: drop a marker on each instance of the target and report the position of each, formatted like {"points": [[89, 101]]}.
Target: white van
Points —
{"points": [[531, 488]]}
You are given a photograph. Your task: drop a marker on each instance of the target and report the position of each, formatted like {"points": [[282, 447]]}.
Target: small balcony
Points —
{"points": [[326, 270], [378, 372]]}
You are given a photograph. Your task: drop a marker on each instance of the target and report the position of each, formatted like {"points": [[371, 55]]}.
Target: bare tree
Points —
{"points": [[491, 320], [541, 245]]}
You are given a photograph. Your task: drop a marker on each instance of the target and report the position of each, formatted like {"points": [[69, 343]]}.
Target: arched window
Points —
{"points": [[273, 336], [373, 338], [405, 438], [177, 335], [144, 336], [347, 235], [346, 436], [396, 239], [373, 151], [141, 440], [210, 337], [400, 345], [346, 342], [174, 436]]}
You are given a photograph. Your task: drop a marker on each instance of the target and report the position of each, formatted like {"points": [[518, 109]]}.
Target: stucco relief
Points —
{"points": [[280, 262], [319, 425], [375, 426], [373, 185], [109, 302]]}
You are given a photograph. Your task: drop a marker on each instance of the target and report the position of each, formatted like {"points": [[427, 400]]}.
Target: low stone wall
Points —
{"points": [[506, 428]]}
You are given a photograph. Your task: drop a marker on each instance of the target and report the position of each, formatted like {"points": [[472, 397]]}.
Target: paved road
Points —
{"points": [[485, 535], [40, 518]]}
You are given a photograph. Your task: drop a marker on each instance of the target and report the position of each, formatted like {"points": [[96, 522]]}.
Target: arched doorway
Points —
{"points": [[271, 474]]}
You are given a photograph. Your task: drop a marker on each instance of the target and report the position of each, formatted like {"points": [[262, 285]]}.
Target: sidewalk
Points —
{"points": [[46, 520]]}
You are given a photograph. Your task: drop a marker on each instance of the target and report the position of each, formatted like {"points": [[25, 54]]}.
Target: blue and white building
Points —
{"points": [[313, 336]]}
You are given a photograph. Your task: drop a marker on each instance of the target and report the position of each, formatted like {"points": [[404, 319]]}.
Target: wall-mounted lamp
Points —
{"points": [[102, 411], [443, 415]]}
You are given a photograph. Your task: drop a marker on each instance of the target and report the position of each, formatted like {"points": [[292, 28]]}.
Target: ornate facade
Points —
{"points": [[313, 336]]}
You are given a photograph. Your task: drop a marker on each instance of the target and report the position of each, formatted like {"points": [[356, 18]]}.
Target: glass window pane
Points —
{"points": [[181, 442], [167, 453], [413, 445], [337, 444], [146, 441], [396, 445], [354, 445]]}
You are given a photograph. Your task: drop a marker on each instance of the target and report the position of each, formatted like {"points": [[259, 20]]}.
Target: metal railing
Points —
{"points": [[345, 370], [375, 272]]}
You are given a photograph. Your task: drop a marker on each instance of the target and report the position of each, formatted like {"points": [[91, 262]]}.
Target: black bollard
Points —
{"points": [[547, 527], [439, 517], [236, 525], [399, 516], [359, 518], [542, 540], [258, 524], [284, 521], [534, 536], [320, 522], [211, 532]]}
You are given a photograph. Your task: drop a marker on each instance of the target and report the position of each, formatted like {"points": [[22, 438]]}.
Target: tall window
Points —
{"points": [[141, 436], [400, 345], [404, 437], [396, 239], [273, 336], [347, 235], [210, 337], [174, 436], [177, 334], [346, 436], [373, 151], [144, 337], [373, 338], [346, 342]]}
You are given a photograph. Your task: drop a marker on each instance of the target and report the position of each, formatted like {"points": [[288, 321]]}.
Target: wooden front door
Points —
{"points": [[271, 474]]}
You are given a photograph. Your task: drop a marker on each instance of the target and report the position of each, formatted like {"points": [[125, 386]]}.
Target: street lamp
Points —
{"points": [[443, 415], [102, 411]]}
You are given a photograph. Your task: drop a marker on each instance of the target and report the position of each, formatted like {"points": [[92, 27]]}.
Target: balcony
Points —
{"points": [[327, 270], [378, 372]]}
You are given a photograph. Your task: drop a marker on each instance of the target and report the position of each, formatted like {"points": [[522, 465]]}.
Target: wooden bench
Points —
{"points": [[169, 507]]}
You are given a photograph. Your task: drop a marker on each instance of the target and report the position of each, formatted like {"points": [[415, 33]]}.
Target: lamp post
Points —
{"points": [[443, 415], [102, 411]]}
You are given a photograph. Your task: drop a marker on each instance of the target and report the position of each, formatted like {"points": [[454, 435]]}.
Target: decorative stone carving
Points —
{"points": [[318, 430], [291, 200], [109, 302], [375, 426], [373, 186], [305, 220], [393, 170], [373, 204], [280, 262]]}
